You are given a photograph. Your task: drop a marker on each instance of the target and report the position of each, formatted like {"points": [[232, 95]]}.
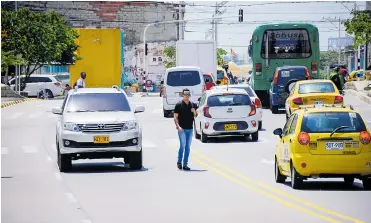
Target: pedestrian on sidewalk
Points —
{"points": [[80, 83], [184, 114]]}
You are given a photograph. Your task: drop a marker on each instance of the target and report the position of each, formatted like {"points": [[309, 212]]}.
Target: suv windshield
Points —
{"points": [[183, 78], [318, 87], [95, 102], [326, 122], [228, 100]]}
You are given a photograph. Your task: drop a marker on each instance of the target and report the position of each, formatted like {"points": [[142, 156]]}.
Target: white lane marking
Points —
{"points": [[15, 115], [271, 162], [35, 115], [87, 221], [148, 144], [4, 150], [58, 176], [71, 198], [54, 147], [29, 149], [49, 159]]}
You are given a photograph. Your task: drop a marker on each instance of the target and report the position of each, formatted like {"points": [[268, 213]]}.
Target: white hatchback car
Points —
{"points": [[226, 112], [254, 97], [98, 123]]}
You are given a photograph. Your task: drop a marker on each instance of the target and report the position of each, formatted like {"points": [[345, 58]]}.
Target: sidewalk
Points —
{"points": [[357, 89]]}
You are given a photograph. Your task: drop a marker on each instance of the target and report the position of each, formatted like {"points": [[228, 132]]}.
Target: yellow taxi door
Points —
{"points": [[282, 147], [288, 142]]}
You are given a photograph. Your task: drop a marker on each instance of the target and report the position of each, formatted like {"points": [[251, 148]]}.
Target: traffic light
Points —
{"points": [[240, 15], [146, 49]]}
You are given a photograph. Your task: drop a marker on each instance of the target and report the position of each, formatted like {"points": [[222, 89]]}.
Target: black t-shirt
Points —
{"points": [[185, 115]]}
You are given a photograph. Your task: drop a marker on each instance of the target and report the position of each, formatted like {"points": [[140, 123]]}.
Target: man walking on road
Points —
{"points": [[184, 114], [81, 81]]}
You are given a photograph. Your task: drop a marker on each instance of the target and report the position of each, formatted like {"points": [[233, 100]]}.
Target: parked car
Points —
{"points": [[177, 79], [41, 85], [312, 92], [283, 80], [209, 81], [64, 78], [93, 125], [226, 112], [323, 141], [254, 97]]}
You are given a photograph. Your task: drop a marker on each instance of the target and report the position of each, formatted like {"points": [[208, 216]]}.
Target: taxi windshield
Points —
{"points": [[324, 87], [326, 122]]}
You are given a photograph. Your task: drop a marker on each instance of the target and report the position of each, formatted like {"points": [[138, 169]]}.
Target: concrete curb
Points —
{"points": [[360, 95], [10, 103]]}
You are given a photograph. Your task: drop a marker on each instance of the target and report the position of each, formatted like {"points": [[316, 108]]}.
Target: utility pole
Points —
{"points": [[339, 42], [215, 20]]}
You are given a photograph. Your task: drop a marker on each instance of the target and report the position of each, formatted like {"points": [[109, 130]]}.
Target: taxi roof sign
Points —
{"points": [[325, 106]]}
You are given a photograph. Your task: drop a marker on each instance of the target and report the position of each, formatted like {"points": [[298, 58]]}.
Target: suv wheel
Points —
{"points": [[255, 136], [260, 125], [135, 160], [64, 161], [274, 109], [166, 113]]}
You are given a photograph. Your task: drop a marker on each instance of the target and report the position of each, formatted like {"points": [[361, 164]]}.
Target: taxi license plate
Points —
{"points": [[318, 102], [229, 127], [101, 139], [334, 145]]}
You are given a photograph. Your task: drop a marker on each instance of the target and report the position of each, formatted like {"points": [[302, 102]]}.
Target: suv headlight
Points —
{"points": [[71, 127], [129, 125]]}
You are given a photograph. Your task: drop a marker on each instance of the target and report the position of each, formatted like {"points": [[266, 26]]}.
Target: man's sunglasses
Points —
{"points": [[187, 95]]}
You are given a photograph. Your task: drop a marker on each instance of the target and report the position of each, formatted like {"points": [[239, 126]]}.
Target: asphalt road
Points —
{"points": [[230, 181]]}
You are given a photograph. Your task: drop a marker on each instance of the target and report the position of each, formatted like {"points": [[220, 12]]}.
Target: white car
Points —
{"points": [[177, 79], [96, 123], [41, 85], [226, 112], [253, 96], [64, 78]]}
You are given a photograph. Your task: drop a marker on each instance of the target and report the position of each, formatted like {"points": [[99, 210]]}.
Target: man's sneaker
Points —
{"points": [[179, 166], [186, 168]]}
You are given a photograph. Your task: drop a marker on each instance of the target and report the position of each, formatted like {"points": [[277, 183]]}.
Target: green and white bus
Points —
{"points": [[283, 44]]}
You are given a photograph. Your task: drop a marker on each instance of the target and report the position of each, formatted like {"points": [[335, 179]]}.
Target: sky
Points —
{"points": [[235, 35]]}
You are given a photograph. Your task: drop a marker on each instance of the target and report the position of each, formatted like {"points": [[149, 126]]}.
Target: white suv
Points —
{"points": [[226, 112], [98, 123]]}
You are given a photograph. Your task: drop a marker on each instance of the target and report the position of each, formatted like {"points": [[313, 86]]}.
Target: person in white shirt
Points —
{"points": [[81, 81]]}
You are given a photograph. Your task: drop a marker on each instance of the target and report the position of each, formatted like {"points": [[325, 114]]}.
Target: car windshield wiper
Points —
{"points": [[82, 110], [338, 128], [107, 110]]}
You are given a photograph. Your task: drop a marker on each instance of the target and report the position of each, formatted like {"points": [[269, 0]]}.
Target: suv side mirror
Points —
{"points": [[278, 132], [139, 108], [57, 111]]}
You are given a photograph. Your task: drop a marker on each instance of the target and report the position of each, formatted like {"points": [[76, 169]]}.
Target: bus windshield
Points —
{"points": [[286, 43]]}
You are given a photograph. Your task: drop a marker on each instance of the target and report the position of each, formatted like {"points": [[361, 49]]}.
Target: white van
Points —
{"points": [[177, 79]]}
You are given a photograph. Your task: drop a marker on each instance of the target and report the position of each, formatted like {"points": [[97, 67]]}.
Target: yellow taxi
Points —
{"points": [[309, 92], [323, 141], [222, 76]]}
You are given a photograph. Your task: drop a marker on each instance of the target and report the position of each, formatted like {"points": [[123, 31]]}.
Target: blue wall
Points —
{"points": [[55, 69]]}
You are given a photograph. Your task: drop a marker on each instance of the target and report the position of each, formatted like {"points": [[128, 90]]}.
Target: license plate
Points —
{"points": [[285, 73], [101, 139], [228, 127], [334, 145], [318, 102]]}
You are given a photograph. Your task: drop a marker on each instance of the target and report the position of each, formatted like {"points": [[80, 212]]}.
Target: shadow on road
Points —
{"points": [[329, 186], [106, 167], [230, 139], [194, 170]]}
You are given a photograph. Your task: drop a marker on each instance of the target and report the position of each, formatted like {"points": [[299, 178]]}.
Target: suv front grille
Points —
{"points": [[100, 127]]}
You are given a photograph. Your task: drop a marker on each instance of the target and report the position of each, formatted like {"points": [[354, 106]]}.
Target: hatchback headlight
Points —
{"points": [[71, 127], [129, 125]]}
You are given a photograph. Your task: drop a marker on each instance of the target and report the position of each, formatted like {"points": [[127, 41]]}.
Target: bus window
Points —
{"points": [[287, 43]]}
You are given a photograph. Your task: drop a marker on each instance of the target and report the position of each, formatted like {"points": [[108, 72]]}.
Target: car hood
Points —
{"points": [[98, 117]]}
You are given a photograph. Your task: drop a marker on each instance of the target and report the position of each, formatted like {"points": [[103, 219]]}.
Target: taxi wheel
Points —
{"points": [[279, 177], [255, 136], [64, 161], [203, 137], [296, 181], [349, 181], [166, 113], [135, 160], [260, 125], [366, 183]]}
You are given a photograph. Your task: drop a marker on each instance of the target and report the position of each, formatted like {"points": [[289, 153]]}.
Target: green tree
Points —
{"points": [[219, 53], [327, 58], [170, 53], [360, 27], [40, 38], [9, 59]]}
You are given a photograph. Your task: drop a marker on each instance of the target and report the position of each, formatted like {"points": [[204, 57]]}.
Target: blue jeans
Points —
{"points": [[185, 139]]}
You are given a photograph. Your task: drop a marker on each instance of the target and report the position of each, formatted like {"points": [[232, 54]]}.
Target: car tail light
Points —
{"points": [[303, 138], [365, 137], [338, 99], [206, 112], [258, 103], [57, 84], [297, 101], [275, 80], [253, 110], [258, 67], [313, 67], [308, 74]]}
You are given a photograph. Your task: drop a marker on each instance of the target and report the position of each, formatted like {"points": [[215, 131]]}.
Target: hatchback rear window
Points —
{"points": [[183, 78], [286, 75], [326, 122], [228, 100], [316, 87]]}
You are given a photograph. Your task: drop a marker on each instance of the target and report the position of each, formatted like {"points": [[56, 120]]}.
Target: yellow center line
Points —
{"points": [[302, 201], [278, 199]]}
